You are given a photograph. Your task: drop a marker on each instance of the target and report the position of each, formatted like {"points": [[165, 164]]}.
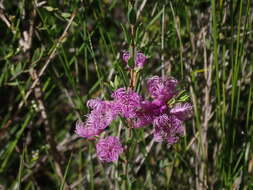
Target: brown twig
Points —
{"points": [[207, 114], [4, 18], [51, 56], [38, 93]]}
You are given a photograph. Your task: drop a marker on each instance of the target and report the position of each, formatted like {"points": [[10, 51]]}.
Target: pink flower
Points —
{"points": [[162, 89], [109, 149], [101, 116], [126, 102], [167, 121], [168, 128], [126, 56], [86, 131], [140, 59], [147, 112]]}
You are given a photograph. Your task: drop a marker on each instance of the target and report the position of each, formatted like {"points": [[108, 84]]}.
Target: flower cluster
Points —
{"points": [[166, 111], [124, 104], [166, 118]]}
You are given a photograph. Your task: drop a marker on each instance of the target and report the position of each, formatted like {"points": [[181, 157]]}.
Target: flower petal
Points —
{"points": [[109, 149], [182, 111], [162, 89]]}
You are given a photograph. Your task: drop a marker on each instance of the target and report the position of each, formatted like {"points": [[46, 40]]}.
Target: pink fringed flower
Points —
{"points": [[85, 131], [139, 61], [167, 121], [168, 128], [126, 102], [109, 149], [147, 112], [162, 89], [101, 116], [166, 116]]}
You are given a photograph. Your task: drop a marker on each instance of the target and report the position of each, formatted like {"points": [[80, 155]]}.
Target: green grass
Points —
{"points": [[55, 56]]}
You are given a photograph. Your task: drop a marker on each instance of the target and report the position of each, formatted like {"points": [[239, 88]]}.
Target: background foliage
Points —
{"points": [[55, 55]]}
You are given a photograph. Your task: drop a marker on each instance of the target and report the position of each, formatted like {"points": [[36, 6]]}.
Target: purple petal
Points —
{"points": [[101, 116], [84, 131], [125, 56], [182, 111], [168, 128], [94, 103], [146, 113], [109, 149], [162, 89], [126, 102], [140, 60]]}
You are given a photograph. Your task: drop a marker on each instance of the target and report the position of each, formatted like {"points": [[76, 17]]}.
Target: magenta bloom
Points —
{"points": [[103, 113], [162, 89], [85, 131], [167, 121], [168, 128], [109, 149], [139, 61], [126, 56], [147, 112], [101, 116], [182, 111], [126, 102]]}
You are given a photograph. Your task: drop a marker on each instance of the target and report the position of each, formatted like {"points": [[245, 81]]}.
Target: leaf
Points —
{"points": [[12, 144], [132, 15], [50, 9], [66, 15]]}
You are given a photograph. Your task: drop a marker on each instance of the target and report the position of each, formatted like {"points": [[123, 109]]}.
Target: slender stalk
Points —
{"points": [[133, 56], [177, 27], [132, 85], [162, 41], [202, 179]]}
